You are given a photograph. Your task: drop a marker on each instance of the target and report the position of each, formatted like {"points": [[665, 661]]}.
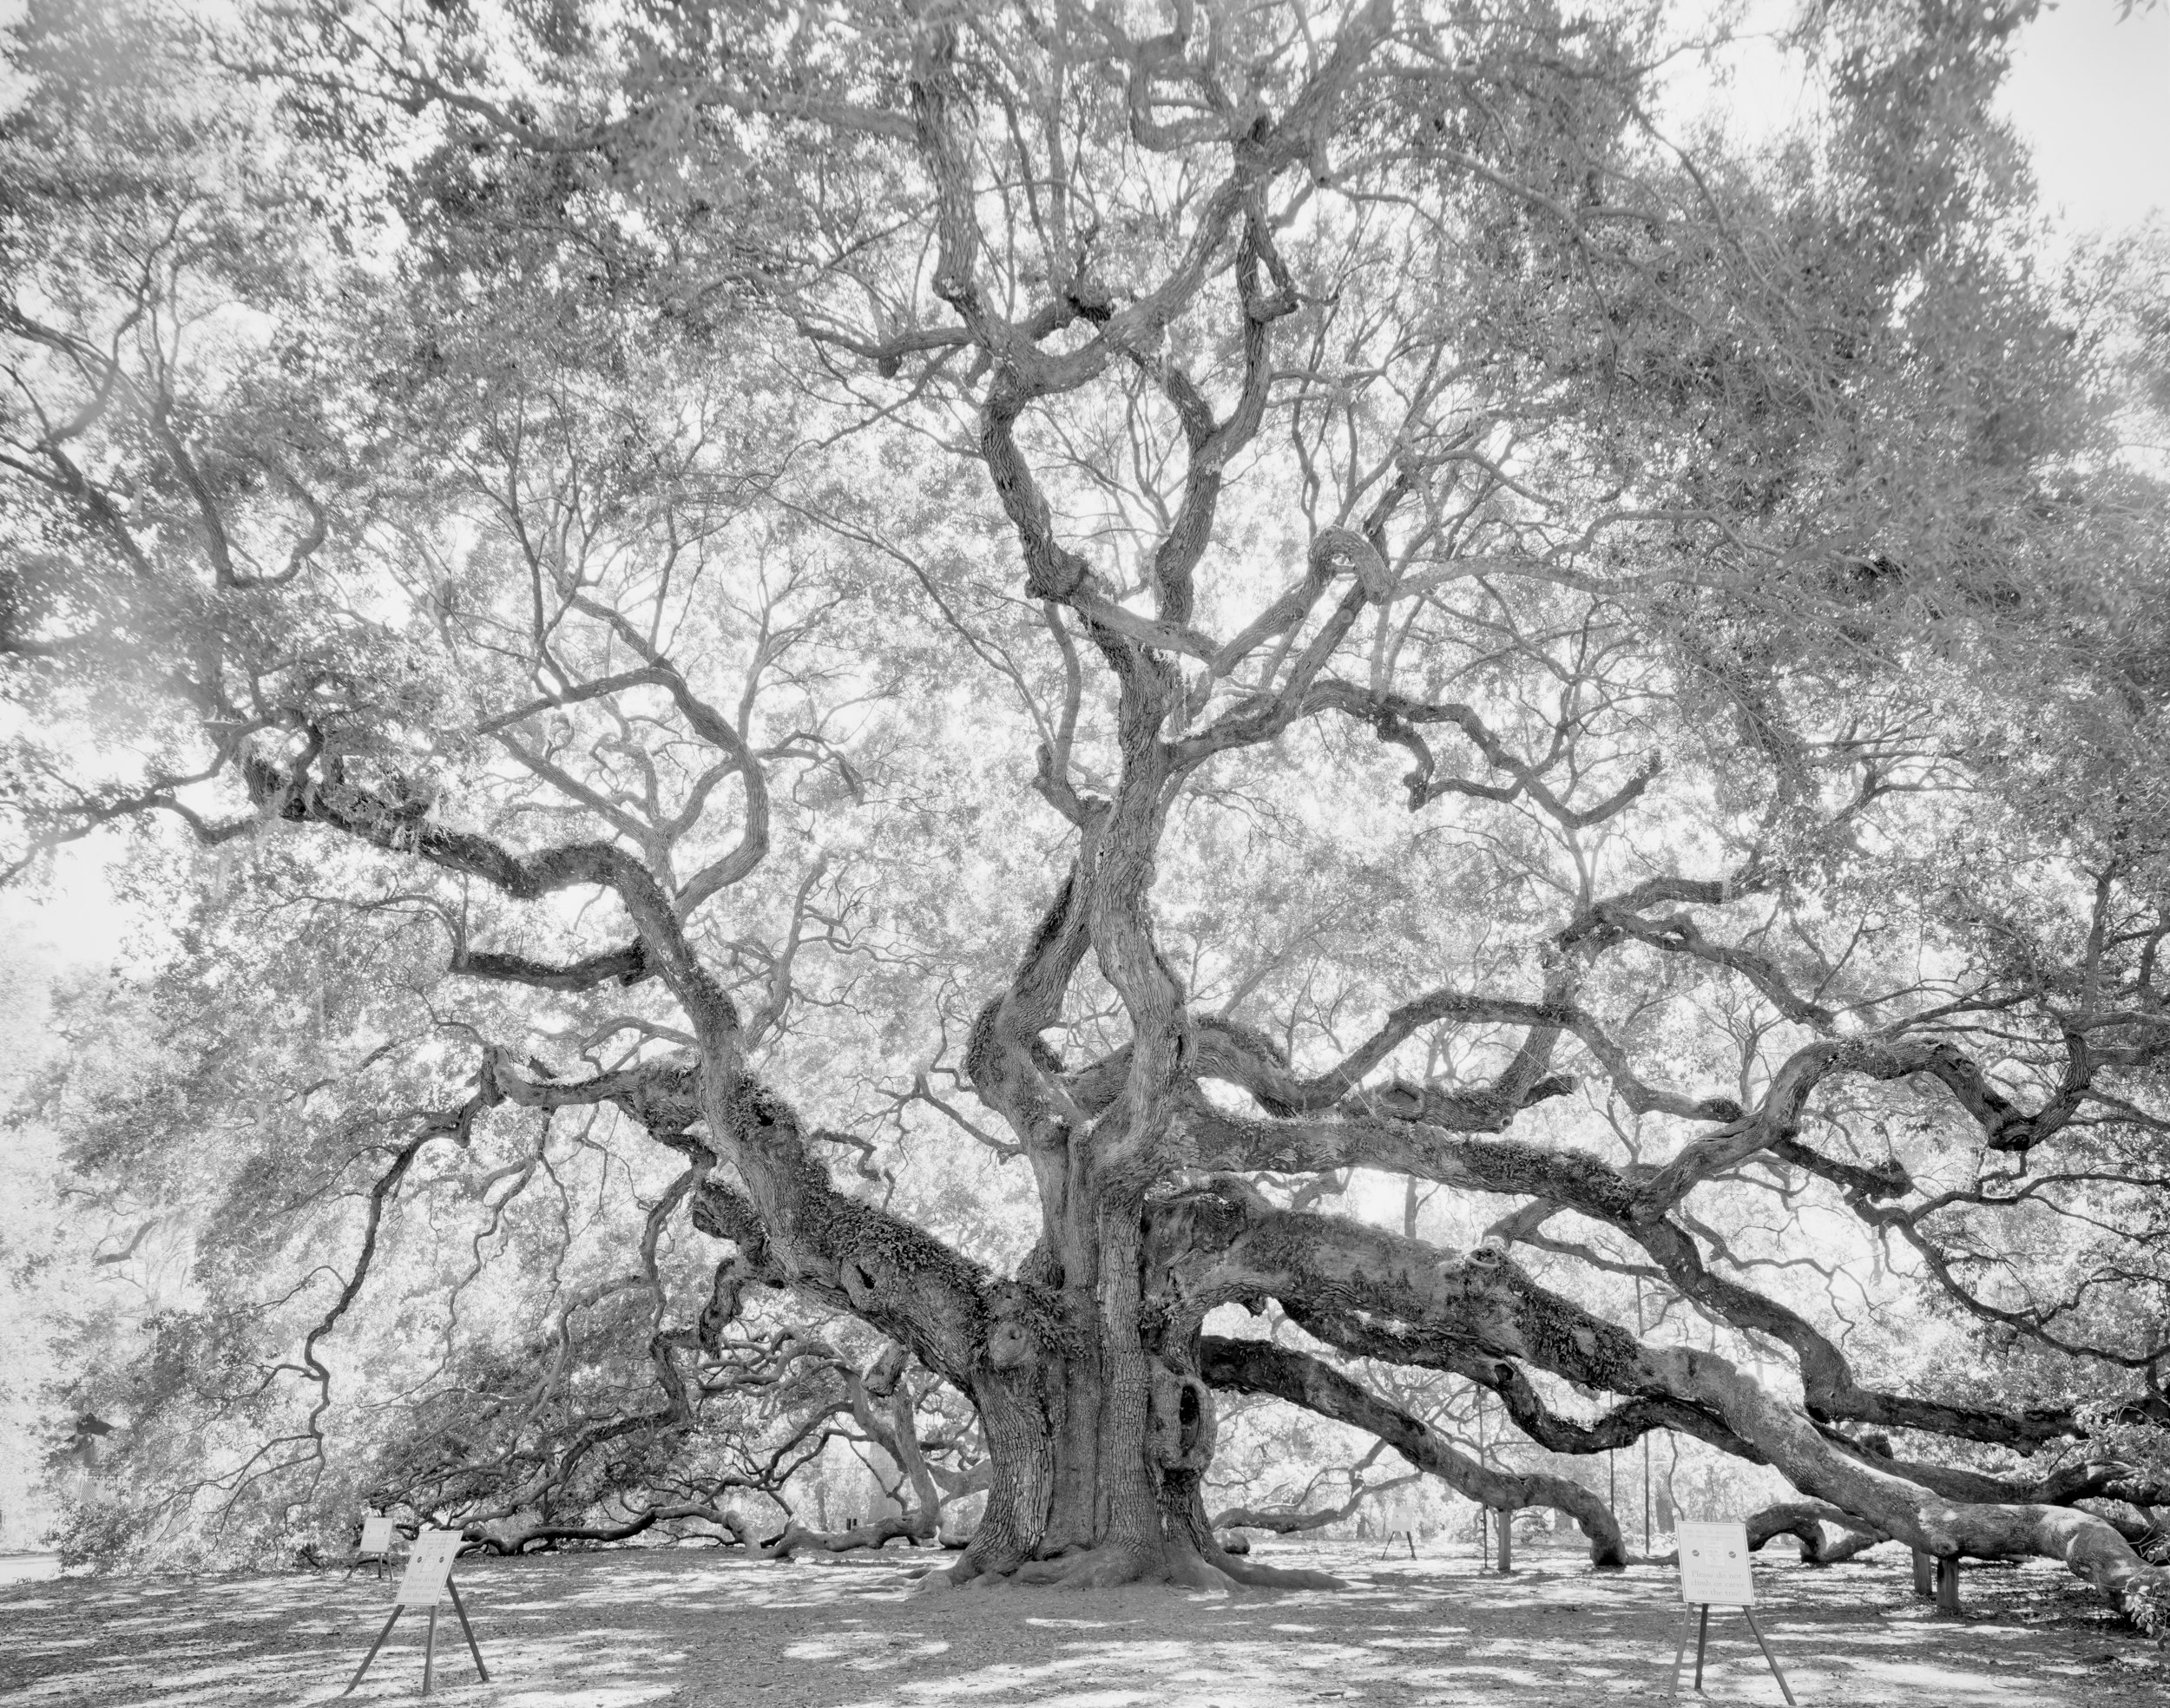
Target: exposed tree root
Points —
{"points": [[1116, 1566], [1251, 1575], [1098, 1568]]}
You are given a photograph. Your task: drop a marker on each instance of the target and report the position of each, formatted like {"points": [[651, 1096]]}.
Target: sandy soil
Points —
{"points": [[702, 1629]]}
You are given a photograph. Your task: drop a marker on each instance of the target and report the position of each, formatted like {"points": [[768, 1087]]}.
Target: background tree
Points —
{"points": [[653, 566]]}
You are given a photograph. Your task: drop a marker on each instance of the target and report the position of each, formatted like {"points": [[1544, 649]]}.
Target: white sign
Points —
{"points": [[428, 1567], [1714, 1565], [377, 1533]]}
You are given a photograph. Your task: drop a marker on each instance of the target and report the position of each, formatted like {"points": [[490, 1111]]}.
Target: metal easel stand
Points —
{"points": [[428, 1645], [1409, 1536], [1702, 1637]]}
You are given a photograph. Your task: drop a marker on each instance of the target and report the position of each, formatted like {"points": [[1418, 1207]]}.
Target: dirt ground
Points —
{"points": [[702, 1629]]}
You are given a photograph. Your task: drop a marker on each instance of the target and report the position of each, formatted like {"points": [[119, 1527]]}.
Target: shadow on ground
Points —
{"points": [[613, 1630]]}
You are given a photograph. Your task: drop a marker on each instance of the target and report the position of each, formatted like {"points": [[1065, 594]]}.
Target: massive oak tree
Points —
{"points": [[1221, 604]]}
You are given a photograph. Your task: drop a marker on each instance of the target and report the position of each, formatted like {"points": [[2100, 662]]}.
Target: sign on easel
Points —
{"points": [[429, 1569], [1715, 1565], [1715, 1572], [378, 1536], [427, 1577], [1398, 1515]]}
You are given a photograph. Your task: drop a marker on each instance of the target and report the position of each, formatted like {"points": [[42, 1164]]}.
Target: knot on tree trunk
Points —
{"points": [[1025, 1327], [1181, 1421], [1010, 1344]]}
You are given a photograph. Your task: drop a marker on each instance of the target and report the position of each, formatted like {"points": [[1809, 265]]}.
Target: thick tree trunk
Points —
{"points": [[1098, 1450], [1063, 1506]]}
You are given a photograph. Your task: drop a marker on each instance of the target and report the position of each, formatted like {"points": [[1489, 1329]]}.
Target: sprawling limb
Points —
{"points": [[1632, 1203], [1261, 1367], [1242, 1247], [1814, 1523], [517, 1539], [1296, 1519]]}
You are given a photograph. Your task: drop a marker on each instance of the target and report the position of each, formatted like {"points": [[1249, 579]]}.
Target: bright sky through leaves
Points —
{"points": [[2091, 93]]}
